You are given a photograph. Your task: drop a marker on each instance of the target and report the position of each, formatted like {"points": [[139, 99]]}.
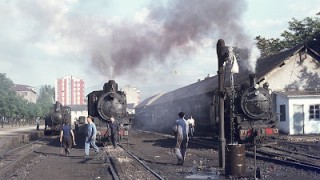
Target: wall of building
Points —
{"points": [[70, 91], [295, 74], [292, 126], [309, 126], [27, 92], [284, 126], [76, 114], [30, 96]]}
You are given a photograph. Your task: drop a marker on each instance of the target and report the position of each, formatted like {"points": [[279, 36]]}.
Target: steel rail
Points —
{"points": [[20, 157], [143, 164], [112, 169]]}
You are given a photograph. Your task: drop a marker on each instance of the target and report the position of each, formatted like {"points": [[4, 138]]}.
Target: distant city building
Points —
{"points": [[133, 97], [69, 91], [27, 92], [77, 111]]}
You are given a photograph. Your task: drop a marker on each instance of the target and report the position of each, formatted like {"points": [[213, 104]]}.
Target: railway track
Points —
{"points": [[280, 156], [276, 154], [283, 158], [140, 162], [11, 158]]}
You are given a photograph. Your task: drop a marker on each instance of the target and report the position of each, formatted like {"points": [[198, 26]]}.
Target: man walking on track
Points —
{"points": [[66, 134], [90, 137], [181, 131]]}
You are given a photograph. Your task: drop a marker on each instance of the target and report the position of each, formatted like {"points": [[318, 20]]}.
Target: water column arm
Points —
{"points": [[222, 55]]}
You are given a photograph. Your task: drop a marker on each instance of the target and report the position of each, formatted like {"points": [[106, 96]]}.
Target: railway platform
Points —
{"points": [[13, 136]]}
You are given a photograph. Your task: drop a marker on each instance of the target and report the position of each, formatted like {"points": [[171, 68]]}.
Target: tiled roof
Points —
{"points": [[20, 87]]}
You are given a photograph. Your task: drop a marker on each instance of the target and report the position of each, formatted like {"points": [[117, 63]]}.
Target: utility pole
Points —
{"points": [[222, 54]]}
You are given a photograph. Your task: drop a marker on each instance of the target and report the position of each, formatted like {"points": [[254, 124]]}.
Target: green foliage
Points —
{"points": [[14, 106], [299, 32], [45, 99]]}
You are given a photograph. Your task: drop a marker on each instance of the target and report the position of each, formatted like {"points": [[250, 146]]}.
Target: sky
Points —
{"points": [[155, 46]]}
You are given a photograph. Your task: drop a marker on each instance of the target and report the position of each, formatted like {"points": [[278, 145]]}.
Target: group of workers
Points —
{"points": [[67, 137], [183, 129]]}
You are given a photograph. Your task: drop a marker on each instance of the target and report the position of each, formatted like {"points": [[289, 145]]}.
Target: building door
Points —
{"points": [[298, 119]]}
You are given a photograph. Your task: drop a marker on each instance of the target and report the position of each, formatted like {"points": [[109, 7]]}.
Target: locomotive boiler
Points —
{"points": [[104, 104], [56, 118], [249, 116]]}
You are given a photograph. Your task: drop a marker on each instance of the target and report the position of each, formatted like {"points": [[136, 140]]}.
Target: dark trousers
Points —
{"points": [[67, 143], [114, 139], [181, 148]]}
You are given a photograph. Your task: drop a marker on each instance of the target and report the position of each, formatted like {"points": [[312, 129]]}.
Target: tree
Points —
{"points": [[299, 32], [6, 94], [14, 106], [45, 99]]}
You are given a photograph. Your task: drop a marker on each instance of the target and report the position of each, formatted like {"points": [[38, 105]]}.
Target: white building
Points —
{"points": [[298, 112], [27, 92], [77, 111], [294, 77]]}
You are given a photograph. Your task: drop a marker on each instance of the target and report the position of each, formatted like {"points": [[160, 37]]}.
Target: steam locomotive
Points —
{"points": [[54, 121], [249, 115], [246, 108], [106, 103]]}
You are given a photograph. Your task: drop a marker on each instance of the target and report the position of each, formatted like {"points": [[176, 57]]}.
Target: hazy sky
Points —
{"points": [[156, 46]]}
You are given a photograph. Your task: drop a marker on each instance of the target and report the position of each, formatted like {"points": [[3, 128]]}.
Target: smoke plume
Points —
{"points": [[160, 36], [179, 27]]}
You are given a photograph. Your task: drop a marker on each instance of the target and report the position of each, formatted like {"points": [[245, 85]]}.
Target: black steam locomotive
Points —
{"points": [[249, 116], [106, 103], [54, 121]]}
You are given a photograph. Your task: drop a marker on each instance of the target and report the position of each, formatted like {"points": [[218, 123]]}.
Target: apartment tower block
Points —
{"points": [[69, 91]]}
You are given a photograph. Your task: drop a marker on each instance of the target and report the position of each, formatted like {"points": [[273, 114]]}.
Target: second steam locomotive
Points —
{"points": [[249, 117], [104, 104], [54, 121]]}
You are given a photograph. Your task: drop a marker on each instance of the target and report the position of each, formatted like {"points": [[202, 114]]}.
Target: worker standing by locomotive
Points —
{"points": [[181, 131], [90, 137], [66, 134], [114, 129]]}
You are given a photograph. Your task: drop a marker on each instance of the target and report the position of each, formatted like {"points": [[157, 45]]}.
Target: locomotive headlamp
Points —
{"points": [[256, 93]]}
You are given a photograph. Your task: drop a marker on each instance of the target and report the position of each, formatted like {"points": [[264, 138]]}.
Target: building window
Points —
{"points": [[282, 112], [314, 112]]}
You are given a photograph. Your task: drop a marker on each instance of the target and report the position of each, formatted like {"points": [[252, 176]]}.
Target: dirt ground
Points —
{"points": [[201, 162], [153, 150]]}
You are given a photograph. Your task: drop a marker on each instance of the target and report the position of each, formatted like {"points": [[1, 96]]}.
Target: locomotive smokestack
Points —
{"points": [[253, 79]]}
